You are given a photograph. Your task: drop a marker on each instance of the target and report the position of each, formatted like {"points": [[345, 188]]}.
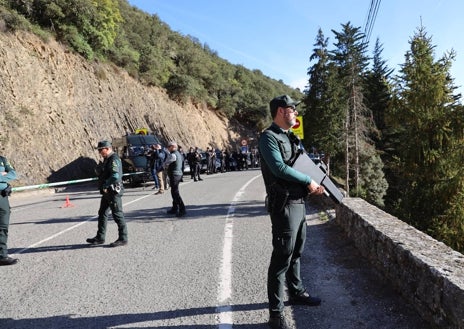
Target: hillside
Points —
{"points": [[55, 106]]}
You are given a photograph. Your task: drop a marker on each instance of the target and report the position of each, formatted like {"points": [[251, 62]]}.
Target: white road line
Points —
{"points": [[224, 308], [74, 226]]}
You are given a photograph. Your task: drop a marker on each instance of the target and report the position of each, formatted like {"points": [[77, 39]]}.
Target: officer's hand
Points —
{"points": [[320, 190], [315, 189]]}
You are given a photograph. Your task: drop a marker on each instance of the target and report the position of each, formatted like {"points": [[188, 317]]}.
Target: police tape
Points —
{"points": [[69, 182]]}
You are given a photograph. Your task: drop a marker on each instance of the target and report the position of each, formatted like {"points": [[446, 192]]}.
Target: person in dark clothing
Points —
{"points": [[227, 160], [212, 161], [182, 153], [208, 161], [197, 165], [191, 162], [174, 168], [286, 190], [152, 156], [160, 158], [7, 174], [223, 154], [111, 188], [194, 161]]}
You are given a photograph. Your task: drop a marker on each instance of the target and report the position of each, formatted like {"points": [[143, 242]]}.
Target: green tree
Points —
{"points": [[87, 25], [103, 26], [377, 97], [349, 56], [377, 93], [429, 124], [321, 122]]}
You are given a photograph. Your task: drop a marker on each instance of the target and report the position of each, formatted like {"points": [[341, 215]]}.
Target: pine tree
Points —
{"points": [[377, 98], [378, 93], [429, 124], [321, 125], [350, 58]]}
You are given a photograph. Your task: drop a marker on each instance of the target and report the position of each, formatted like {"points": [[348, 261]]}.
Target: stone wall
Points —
{"points": [[426, 272]]}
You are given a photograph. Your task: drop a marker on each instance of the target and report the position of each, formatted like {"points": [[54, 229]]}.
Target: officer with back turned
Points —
{"points": [[174, 168], [7, 173], [110, 185], [286, 191]]}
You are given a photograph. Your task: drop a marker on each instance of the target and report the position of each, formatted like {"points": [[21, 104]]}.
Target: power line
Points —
{"points": [[370, 19]]}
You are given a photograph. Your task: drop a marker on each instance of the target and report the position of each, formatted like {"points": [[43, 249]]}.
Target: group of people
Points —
{"points": [[214, 161], [286, 190], [111, 188]]}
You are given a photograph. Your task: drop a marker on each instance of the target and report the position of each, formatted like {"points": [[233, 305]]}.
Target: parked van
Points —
{"points": [[133, 149]]}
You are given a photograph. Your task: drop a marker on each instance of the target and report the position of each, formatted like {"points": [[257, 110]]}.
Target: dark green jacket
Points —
{"points": [[111, 171], [8, 168], [277, 149]]}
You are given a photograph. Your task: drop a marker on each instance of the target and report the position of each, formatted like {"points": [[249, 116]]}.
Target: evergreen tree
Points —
{"points": [[429, 124], [377, 93], [377, 97], [351, 61], [321, 119]]}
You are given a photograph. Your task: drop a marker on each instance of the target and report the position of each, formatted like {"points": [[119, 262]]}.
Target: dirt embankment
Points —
{"points": [[55, 106]]}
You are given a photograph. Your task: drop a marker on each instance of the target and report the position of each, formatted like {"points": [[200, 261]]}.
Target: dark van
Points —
{"points": [[133, 150]]}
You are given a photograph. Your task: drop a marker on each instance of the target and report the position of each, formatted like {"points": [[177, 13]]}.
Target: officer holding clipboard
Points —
{"points": [[286, 190]]}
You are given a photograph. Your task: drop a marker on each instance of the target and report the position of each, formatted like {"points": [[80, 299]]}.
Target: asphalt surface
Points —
{"points": [[206, 270]]}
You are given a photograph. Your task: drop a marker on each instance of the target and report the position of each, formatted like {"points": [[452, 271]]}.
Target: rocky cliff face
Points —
{"points": [[55, 106]]}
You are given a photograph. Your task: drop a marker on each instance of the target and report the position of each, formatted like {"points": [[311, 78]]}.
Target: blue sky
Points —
{"points": [[277, 36]]}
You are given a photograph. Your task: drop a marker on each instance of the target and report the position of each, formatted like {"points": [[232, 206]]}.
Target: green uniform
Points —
{"points": [[5, 166], [111, 188], [286, 189]]}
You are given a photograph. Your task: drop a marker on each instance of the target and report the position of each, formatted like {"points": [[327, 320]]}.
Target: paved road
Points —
{"points": [[206, 270]]}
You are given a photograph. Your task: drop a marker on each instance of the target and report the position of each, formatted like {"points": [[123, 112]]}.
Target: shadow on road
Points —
{"points": [[250, 208], [126, 320]]}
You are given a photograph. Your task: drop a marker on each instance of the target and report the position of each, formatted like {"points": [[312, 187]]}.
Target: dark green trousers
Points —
{"points": [[288, 239], [4, 223], [114, 203]]}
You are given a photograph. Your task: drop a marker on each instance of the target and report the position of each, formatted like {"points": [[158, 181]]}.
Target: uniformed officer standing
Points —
{"points": [[197, 165], [286, 190], [174, 168], [191, 162], [7, 173], [194, 160], [111, 188]]}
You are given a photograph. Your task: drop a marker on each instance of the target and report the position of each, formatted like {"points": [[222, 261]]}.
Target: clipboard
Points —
{"points": [[303, 163]]}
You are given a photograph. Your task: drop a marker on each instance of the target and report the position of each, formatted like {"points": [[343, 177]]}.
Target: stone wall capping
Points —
{"points": [[426, 272]]}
